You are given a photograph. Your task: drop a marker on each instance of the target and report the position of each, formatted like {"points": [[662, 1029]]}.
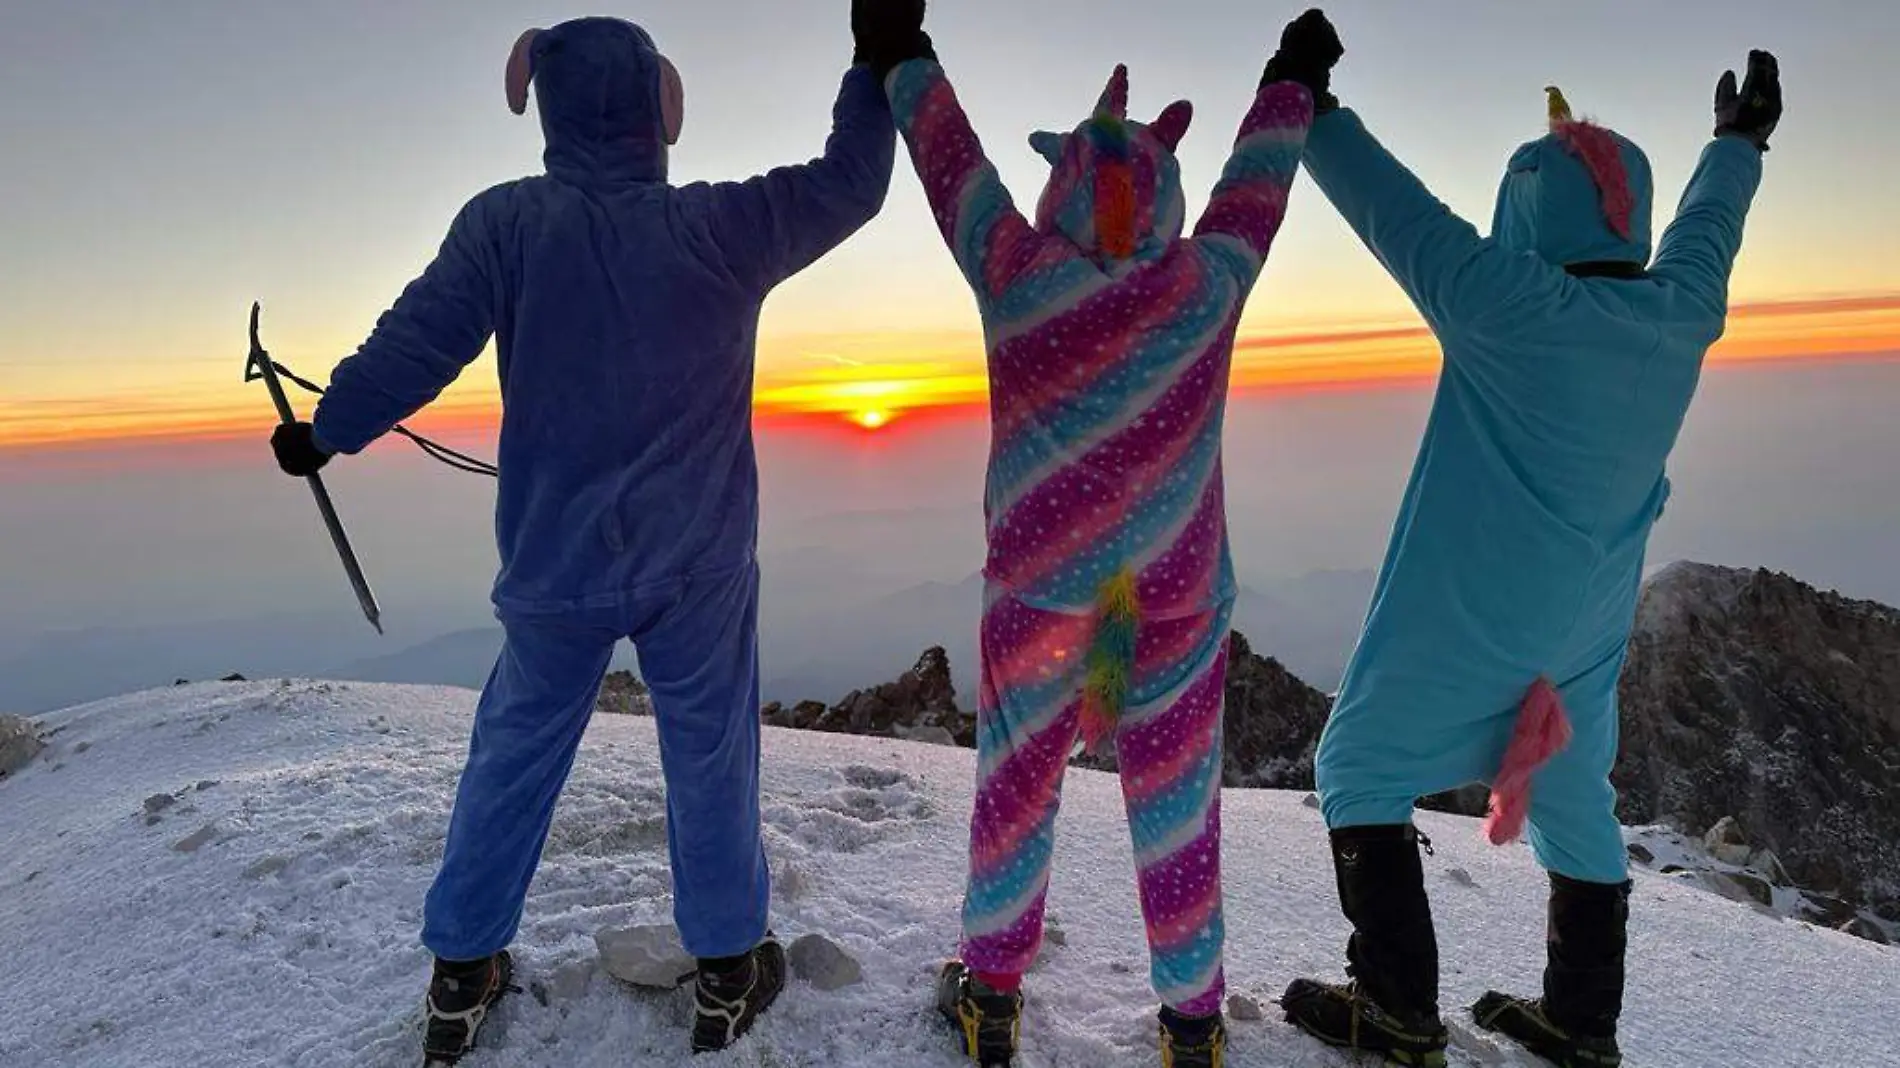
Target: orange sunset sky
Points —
{"points": [[875, 380]]}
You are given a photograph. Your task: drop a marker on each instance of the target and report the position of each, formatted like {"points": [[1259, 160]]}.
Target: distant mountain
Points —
{"points": [[860, 639], [462, 658], [1310, 623], [1751, 695], [56, 669]]}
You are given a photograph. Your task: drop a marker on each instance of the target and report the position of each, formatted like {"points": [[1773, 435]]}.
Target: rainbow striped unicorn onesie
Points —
{"points": [[1109, 583]]}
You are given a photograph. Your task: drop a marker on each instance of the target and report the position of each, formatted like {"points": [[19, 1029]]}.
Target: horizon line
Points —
{"points": [[1352, 356]]}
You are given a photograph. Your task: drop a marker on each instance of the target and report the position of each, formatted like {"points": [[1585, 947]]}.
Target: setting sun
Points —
{"points": [[872, 419]]}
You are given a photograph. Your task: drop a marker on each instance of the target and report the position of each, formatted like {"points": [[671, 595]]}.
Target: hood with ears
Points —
{"points": [[610, 103], [1580, 194], [1116, 189]]}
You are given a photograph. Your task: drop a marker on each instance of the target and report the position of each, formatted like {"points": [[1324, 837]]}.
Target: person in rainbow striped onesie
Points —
{"points": [[1109, 583]]}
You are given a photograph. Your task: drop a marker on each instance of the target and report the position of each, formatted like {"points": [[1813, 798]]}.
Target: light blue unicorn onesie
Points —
{"points": [[1518, 551]]}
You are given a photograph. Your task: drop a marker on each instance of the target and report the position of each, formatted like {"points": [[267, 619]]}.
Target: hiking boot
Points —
{"points": [[1574, 1023], [988, 1022], [733, 992], [1192, 1041], [461, 993], [1345, 1017], [1529, 1025], [1391, 1006]]}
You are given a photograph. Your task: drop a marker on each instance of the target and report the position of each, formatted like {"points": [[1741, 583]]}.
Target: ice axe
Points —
{"points": [[259, 365]]}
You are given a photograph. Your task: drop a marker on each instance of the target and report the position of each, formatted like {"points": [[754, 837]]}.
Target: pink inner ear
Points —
{"points": [[672, 101], [520, 71], [1172, 126]]}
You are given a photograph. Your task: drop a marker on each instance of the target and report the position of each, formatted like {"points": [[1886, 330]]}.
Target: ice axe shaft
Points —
{"points": [[260, 366]]}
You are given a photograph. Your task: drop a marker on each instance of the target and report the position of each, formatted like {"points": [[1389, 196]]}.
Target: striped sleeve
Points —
{"points": [[989, 237], [1248, 205]]}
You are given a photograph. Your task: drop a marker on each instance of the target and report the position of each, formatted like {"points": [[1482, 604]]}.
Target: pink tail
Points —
{"points": [[1543, 730]]}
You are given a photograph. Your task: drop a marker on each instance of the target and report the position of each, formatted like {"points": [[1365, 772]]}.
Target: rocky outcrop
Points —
{"points": [[1726, 863], [623, 694], [921, 705], [1751, 697], [20, 743], [1273, 722]]}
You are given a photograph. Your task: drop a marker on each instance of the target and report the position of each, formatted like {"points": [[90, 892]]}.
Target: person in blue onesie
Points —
{"points": [[625, 313], [1498, 625]]}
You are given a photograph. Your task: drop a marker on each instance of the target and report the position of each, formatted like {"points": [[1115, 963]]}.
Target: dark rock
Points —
{"points": [[824, 964], [234, 677], [1273, 722], [624, 694], [1750, 695], [921, 703], [1861, 927], [1741, 886], [197, 839], [20, 743], [806, 714], [1641, 854], [1826, 911], [1473, 800]]}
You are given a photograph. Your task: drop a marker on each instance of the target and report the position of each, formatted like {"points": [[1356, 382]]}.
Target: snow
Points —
{"points": [[268, 914], [1682, 586]]}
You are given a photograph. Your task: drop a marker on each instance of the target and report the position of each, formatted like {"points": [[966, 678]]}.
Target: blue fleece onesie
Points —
{"points": [[1519, 545], [625, 312]]}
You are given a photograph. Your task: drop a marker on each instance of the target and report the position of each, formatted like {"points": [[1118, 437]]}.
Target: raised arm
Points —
{"points": [[437, 327], [1453, 276], [1250, 202], [989, 237], [1698, 250], [772, 227]]}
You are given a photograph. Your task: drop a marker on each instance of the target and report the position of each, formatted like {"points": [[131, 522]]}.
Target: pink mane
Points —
{"points": [[1603, 158]]}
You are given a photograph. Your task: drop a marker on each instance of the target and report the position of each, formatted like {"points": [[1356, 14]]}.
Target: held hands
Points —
{"points": [[889, 32], [1309, 49], [1753, 112], [296, 447]]}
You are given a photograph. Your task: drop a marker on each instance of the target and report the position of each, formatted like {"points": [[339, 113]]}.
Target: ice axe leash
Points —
{"points": [[259, 365]]}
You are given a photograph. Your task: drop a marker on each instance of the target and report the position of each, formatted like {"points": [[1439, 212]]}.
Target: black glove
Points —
{"points": [[296, 447], [1309, 49], [1753, 112], [889, 32]]}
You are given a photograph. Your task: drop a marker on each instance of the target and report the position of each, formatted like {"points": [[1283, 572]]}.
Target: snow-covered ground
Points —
{"points": [[232, 875]]}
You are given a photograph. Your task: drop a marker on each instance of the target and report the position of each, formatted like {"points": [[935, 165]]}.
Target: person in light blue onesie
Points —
{"points": [[625, 313], [1498, 625]]}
